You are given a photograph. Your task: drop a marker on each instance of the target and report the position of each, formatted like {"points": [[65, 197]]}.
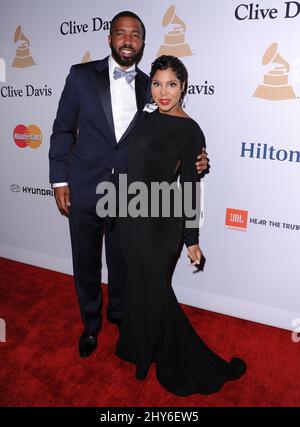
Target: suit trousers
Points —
{"points": [[87, 230]]}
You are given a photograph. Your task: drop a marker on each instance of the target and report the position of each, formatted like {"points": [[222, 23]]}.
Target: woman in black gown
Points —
{"points": [[154, 327]]}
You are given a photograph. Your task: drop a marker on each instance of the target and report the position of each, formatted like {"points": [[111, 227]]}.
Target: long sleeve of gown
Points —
{"points": [[190, 147]]}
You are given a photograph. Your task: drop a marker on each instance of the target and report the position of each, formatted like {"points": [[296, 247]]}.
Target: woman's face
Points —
{"points": [[166, 90]]}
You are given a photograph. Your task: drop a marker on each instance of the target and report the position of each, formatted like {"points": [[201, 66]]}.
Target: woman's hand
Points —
{"points": [[195, 254], [202, 163]]}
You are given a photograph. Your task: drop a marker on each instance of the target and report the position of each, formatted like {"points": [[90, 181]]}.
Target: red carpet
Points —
{"points": [[40, 364]]}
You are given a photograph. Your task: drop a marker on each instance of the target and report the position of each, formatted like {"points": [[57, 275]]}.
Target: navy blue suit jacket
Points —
{"points": [[83, 147]]}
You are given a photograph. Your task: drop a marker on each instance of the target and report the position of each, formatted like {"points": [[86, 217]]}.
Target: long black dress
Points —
{"points": [[154, 327]]}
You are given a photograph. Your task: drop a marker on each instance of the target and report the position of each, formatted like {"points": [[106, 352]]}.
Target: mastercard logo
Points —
{"points": [[28, 136]]}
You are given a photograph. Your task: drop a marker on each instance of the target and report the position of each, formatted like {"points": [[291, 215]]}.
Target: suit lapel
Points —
{"points": [[102, 76], [140, 91]]}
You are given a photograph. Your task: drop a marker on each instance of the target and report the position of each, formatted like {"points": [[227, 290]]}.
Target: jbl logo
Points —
{"points": [[236, 218]]}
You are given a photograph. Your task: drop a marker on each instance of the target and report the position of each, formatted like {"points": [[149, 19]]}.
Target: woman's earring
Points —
{"points": [[184, 101]]}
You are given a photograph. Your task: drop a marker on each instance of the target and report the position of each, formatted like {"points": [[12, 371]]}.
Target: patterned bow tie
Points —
{"points": [[129, 75]]}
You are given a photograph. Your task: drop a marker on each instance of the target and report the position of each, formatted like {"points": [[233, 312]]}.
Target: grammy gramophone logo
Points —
{"points": [[174, 43], [275, 83], [23, 58]]}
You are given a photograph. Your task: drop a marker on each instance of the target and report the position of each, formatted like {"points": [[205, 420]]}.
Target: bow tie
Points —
{"points": [[129, 75]]}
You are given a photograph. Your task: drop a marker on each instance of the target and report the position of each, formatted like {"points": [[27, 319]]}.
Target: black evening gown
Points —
{"points": [[154, 327]]}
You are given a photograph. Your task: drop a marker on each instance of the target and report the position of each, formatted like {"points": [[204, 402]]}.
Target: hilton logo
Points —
{"points": [[266, 152], [175, 38]]}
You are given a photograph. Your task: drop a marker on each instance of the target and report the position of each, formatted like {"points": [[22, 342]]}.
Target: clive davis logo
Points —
{"points": [[275, 84], [236, 218], [174, 43], [23, 58], [27, 136]]}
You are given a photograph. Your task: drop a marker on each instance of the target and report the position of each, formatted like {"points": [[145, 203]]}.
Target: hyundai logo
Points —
{"points": [[15, 188]]}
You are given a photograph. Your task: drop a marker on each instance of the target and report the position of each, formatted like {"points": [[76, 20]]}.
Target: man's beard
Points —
{"points": [[127, 62]]}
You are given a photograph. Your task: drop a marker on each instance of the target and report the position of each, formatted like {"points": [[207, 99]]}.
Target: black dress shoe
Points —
{"points": [[87, 344], [114, 320], [141, 373]]}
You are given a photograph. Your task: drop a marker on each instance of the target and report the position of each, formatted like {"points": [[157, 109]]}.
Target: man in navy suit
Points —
{"points": [[97, 110]]}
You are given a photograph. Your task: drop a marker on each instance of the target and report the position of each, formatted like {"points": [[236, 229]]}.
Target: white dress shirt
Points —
{"points": [[123, 103], [123, 100]]}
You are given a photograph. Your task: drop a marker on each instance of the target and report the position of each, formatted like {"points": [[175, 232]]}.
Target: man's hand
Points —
{"points": [[62, 198], [195, 254], [202, 163]]}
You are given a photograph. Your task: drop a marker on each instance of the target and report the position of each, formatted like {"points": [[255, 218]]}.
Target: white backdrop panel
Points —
{"points": [[251, 274]]}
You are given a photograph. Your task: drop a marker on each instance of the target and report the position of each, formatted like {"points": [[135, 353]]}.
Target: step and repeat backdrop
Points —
{"points": [[244, 85]]}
